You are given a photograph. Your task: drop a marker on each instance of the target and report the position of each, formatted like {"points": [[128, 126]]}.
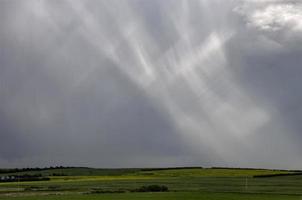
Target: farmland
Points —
{"points": [[182, 183]]}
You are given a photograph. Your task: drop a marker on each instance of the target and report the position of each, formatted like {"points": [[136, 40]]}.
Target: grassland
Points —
{"points": [[188, 183]]}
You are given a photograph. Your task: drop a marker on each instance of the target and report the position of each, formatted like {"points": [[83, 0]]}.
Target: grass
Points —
{"points": [[195, 183], [162, 196], [211, 172]]}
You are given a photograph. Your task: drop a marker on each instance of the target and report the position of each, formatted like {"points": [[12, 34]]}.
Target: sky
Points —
{"points": [[139, 83]]}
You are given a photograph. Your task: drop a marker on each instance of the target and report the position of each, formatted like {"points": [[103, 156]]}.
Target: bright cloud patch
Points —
{"points": [[273, 15]]}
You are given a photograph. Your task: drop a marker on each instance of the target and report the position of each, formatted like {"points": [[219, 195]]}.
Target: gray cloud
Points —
{"points": [[150, 83]]}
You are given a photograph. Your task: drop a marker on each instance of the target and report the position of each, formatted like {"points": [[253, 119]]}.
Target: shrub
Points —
{"points": [[152, 188], [101, 191]]}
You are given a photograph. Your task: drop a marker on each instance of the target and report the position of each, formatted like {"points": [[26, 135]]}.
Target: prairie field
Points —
{"points": [[181, 183]]}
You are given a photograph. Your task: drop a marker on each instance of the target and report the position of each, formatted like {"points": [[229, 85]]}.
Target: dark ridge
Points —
{"points": [[277, 175], [169, 168], [15, 170], [22, 178], [246, 168]]}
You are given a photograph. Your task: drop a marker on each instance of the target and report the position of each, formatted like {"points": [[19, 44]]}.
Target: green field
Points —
{"points": [[188, 183]]}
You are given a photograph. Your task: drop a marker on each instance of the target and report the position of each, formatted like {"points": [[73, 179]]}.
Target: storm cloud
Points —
{"points": [[139, 83]]}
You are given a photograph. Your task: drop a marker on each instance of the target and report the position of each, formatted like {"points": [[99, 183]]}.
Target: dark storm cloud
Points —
{"points": [[266, 59], [150, 83], [61, 99]]}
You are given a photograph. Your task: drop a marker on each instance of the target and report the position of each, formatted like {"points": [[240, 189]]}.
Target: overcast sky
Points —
{"points": [[141, 83]]}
